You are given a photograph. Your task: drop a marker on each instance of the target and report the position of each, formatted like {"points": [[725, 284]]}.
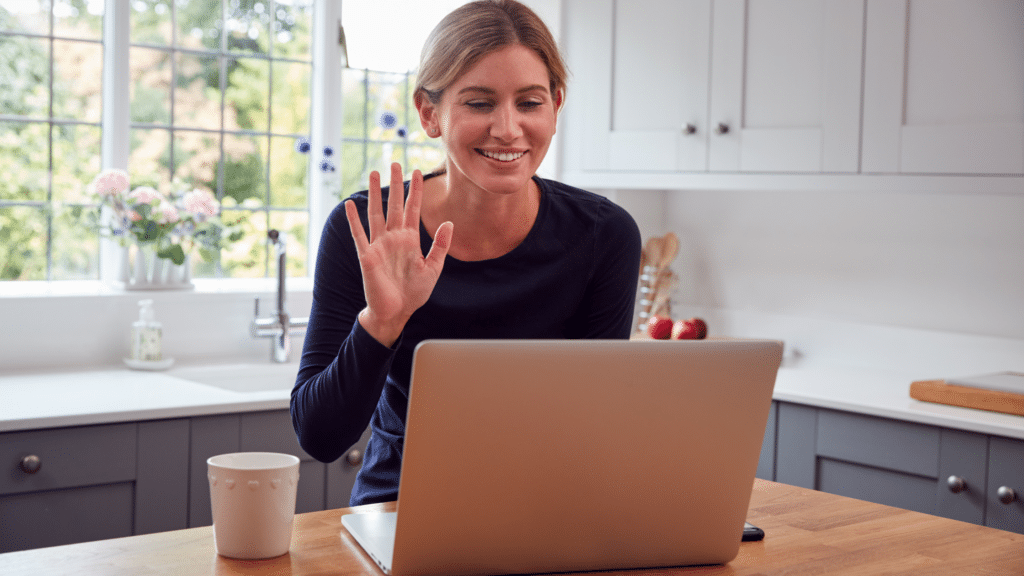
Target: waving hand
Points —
{"points": [[397, 278]]}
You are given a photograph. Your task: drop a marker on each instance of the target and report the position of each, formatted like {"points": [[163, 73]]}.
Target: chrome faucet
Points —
{"points": [[280, 326]]}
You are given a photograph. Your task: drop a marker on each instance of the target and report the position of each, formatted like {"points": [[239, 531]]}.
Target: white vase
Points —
{"points": [[141, 269]]}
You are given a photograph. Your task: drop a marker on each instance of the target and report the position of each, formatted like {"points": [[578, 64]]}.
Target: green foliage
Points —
{"points": [[42, 189], [24, 73]]}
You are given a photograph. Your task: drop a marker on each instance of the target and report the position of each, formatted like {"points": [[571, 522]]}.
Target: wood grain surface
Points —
{"points": [[807, 532], [967, 397]]}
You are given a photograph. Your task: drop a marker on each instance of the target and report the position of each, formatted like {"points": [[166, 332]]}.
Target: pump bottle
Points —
{"points": [[146, 333]]}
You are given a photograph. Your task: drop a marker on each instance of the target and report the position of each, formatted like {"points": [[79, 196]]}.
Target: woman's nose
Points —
{"points": [[506, 124]]}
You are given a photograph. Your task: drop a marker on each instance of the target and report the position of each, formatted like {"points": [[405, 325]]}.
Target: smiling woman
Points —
{"points": [[481, 247]]}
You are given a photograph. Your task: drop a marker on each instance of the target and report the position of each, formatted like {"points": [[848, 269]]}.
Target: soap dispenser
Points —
{"points": [[146, 334]]}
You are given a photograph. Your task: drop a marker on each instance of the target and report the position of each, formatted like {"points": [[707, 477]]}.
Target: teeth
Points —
{"points": [[503, 156]]}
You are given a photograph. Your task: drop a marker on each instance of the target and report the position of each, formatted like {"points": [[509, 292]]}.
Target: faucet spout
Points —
{"points": [[280, 326]]}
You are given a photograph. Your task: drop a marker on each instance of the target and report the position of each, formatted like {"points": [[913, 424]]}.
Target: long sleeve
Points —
{"points": [[343, 369]]}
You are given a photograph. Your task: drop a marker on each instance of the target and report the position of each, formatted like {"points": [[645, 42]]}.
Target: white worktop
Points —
{"points": [[48, 400], [885, 394]]}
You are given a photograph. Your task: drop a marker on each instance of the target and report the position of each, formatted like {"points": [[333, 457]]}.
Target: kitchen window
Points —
{"points": [[219, 95]]}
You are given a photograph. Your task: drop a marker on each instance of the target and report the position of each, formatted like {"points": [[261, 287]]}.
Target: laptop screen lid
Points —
{"points": [[534, 456]]}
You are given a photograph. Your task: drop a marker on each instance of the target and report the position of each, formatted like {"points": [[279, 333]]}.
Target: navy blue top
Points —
{"points": [[573, 276]]}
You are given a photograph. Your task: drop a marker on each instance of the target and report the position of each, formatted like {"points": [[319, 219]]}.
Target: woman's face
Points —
{"points": [[496, 121]]}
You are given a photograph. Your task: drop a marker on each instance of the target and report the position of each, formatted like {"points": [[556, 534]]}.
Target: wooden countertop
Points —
{"points": [[807, 532]]}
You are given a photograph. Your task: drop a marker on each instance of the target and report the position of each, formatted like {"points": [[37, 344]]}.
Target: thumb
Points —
{"points": [[442, 241]]}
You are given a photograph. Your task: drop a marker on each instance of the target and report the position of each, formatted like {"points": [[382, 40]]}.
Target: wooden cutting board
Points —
{"points": [[940, 392]]}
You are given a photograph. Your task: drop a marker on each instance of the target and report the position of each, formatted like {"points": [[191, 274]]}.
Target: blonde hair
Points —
{"points": [[476, 29]]}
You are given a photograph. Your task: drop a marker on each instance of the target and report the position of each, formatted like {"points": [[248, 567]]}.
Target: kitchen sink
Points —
{"points": [[240, 377]]}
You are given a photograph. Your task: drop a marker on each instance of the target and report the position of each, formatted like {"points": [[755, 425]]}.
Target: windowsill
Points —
{"points": [[78, 288]]}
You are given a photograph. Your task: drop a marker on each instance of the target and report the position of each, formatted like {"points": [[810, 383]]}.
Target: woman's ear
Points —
{"points": [[559, 100], [428, 114]]}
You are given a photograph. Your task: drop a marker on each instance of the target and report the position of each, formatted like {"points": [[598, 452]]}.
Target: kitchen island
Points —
{"points": [[807, 532], [123, 453]]}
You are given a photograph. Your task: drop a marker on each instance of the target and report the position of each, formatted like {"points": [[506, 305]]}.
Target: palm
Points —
{"points": [[397, 278], [395, 274]]}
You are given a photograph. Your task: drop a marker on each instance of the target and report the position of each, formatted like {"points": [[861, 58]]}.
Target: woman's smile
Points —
{"points": [[502, 156]]}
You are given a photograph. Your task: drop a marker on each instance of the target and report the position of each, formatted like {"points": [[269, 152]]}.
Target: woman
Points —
{"points": [[481, 248]]}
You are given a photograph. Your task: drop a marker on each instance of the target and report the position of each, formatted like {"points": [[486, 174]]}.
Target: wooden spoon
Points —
{"points": [[669, 249], [651, 252]]}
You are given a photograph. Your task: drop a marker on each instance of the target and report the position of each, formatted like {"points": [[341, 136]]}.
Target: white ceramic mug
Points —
{"points": [[253, 499]]}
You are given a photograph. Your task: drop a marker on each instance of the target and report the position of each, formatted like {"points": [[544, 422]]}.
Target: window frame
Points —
{"points": [[116, 125]]}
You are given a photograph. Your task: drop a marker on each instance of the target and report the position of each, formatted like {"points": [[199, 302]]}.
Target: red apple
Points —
{"points": [[659, 327], [684, 330], [690, 329], [701, 327]]}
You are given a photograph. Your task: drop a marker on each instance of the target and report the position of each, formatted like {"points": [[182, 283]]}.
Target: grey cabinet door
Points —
{"points": [[796, 456], [1005, 470], [272, 432], [881, 460], [962, 456], [83, 490], [886, 461], [211, 435], [766, 462], [161, 487]]}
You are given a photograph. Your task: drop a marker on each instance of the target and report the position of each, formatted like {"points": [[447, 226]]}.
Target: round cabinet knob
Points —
{"points": [[31, 464], [689, 129], [722, 128], [1006, 494], [956, 484], [354, 457]]}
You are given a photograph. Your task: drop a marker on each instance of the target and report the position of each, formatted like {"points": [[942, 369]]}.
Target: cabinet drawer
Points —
{"points": [[68, 457], [69, 516], [270, 431], [908, 447]]}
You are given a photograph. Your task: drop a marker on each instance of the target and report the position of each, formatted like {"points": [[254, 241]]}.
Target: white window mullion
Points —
{"points": [[325, 118], [115, 142]]}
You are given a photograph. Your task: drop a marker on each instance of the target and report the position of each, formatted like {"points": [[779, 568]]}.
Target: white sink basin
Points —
{"points": [[241, 377]]}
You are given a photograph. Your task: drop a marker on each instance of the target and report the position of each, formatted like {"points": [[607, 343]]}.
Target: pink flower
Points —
{"points": [[145, 195], [200, 203], [165, 213], [134, 216], [110, 183]]}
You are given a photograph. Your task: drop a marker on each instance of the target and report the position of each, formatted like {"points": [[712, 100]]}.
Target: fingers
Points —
{"points": [[396, 199], [399, 212], [374, 209], [356, 227], [442, 240], [415, 200]]}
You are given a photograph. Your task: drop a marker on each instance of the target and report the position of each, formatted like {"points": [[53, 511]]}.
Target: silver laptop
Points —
{"points": [[527, 456]]}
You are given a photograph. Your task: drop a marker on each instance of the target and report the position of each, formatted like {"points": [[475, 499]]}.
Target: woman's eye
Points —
{"points": [[530, 104], [476, 105]]}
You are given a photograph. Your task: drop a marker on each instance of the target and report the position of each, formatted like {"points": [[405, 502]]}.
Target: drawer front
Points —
{"points": [[58, 517], [68, 457], [883, 443], [1005, 470], [270, 431], [877, 485]]}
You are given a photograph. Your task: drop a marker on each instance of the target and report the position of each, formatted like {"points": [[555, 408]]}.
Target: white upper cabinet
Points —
{"points": [[944, 87], [715, 85]]}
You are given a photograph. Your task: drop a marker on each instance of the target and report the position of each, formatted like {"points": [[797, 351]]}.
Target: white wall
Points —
{"points": [[924, 282], [84, 325], [951, 263]]}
